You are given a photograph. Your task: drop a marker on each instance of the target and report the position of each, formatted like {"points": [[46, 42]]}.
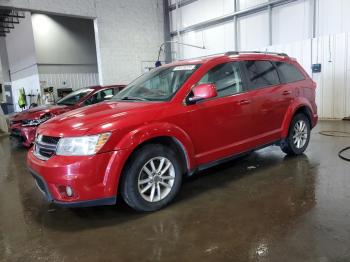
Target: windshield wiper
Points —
{"points": [[133, 98]]}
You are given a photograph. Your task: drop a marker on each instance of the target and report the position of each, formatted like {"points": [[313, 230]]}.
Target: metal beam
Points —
{"points": [[11, 15], [6, 26], [167, 37], [269, 8], [314, 10], [230, 17], [10, 20], [181, 4], [235, 21]]}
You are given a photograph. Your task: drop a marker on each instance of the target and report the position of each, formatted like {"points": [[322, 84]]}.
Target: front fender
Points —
{"points": [[292, 109], [146, 132]]}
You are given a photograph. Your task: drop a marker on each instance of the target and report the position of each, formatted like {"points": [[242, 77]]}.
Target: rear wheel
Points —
{"points": [[298, 136], [152, 178]]}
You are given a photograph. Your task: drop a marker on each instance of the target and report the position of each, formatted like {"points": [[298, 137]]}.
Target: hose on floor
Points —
{"points": [[338, 134]]}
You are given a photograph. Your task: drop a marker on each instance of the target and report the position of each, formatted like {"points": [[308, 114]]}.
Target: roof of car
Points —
{"points": [[238, 55]]}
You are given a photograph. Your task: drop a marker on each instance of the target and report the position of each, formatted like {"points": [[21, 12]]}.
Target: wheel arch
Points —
{"points": [[294, 110], [168, 141]]}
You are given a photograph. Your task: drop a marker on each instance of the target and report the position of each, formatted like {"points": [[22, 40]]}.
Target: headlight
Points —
{"points": [[81, 146], [35, 122]]}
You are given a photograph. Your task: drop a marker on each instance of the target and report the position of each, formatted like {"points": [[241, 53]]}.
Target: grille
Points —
{"points": [[50, 139], [45, 146]]}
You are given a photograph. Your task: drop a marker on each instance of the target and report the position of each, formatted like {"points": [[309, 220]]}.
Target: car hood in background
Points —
{"points": [[36, 112]]}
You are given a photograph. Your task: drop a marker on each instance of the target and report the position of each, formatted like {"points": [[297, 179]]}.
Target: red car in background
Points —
{"points": [[23, 125]]}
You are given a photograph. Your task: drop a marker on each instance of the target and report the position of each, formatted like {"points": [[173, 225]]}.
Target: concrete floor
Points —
{"points": [[264, 207]]}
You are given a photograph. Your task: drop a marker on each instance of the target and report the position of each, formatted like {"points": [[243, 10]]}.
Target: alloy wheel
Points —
{"points": [[156, 179], [300, 134]]}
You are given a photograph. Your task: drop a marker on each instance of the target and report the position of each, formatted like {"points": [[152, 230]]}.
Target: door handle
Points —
{"points": [[244, 102], [286, 92]]}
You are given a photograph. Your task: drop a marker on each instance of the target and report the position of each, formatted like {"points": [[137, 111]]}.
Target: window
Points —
{"points": [[226, 77], [261, 73], [100, 96], [160, 84], [74, 97], [289, 73]]}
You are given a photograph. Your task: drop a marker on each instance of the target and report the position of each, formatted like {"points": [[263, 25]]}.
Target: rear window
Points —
{"points": [[261, 73], [289, 73]]}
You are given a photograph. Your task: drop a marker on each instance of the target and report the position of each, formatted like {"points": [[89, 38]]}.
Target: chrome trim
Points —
{"points": [[40, 145], [37, 154]]}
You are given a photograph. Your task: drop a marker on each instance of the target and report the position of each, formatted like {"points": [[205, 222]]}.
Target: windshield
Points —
{"points": [[72, 98], [160, 84]]}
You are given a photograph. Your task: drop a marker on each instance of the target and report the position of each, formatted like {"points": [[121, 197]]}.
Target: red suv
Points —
{"points": [[173, 121], [23, 125]]}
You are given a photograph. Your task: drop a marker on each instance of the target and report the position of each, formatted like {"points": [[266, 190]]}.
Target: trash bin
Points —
{"points": [[7, 108]]}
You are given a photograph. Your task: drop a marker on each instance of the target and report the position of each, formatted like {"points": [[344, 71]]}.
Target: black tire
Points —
{"points": [[129, 186], [287, 145]]}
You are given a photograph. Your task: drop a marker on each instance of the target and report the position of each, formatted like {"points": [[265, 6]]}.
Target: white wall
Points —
{"points": [[244, 4], [253, 31], [129, 31], [333, 17], [291, 23], [21, 49], [215, 39], [22, 59], [62, 40], [200, 11], [65, 51]]}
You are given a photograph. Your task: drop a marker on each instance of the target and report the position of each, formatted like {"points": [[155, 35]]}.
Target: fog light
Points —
{"points": [[69, 191]]}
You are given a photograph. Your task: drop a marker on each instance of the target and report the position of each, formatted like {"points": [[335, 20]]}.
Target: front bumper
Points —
{"points": [[23, 135], [93, 179]]}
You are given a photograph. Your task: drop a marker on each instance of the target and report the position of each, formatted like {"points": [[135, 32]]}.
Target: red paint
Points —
{"points": [[209, 130], [27, 134]]}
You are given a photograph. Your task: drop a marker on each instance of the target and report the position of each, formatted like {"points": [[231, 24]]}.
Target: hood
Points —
{"points": [[36, 112], [101, 117]]}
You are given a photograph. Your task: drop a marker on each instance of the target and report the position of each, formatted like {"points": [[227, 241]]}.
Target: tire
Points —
{"points": [[298, 135], [139, 196]]}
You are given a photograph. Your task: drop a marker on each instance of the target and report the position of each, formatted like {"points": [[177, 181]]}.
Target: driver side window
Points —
{"points": [[100, 96], [226, 77]]}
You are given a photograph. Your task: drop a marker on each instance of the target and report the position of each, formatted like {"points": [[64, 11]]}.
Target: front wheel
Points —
{"points": [[152, 178], [298, 136]]}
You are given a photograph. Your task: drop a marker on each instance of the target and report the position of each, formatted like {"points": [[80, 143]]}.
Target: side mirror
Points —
{"points": [[201, 92]]}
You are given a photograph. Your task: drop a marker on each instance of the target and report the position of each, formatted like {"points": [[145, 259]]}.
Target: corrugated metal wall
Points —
{"points": [[333, 83], [73, 80]]}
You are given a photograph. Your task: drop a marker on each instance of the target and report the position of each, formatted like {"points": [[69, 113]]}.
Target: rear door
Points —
{"points": [[270, 99]]}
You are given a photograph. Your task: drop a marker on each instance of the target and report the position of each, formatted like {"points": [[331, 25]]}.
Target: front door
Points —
{"points": [[221, 126]]}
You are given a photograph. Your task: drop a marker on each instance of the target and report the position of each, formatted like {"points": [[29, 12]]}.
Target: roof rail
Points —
{"points": [[255, 52]]}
